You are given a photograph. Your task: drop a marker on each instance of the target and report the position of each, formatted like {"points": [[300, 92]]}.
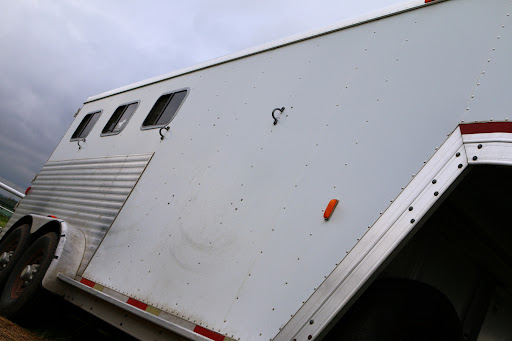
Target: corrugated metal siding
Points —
{"points": [[87, 194]]}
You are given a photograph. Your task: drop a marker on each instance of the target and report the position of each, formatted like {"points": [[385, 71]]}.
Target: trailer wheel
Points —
{"points": [[11, 249], [24, 284], [399, 309]]}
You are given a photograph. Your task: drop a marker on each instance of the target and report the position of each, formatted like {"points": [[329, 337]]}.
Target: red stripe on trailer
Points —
{"points": [[486, 127], [87, 282], [208, 333], [427, 1], [137, 304]]}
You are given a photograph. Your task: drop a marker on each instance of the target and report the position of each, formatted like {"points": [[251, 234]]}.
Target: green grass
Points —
{"points": [[3, 220]]}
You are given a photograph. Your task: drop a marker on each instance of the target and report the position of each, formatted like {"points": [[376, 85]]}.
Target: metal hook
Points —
{"points": [[79, 146], [162, 135], [273, 116]]}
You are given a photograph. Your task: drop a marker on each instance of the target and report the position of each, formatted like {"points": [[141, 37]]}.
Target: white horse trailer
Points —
{"points": [[348, 184]]}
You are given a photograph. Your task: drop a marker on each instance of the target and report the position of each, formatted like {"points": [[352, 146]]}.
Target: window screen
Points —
{"points": [[119, 119], [85, 127], [164, 109]]}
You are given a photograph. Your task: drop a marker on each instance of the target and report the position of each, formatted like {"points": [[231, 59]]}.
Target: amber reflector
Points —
{"points": [[330, 208]]}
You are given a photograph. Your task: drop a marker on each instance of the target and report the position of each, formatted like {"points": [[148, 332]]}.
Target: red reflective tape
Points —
{"points": [[486, 127], [137, 304], [208, 333], [427, 1], [87, 282]]}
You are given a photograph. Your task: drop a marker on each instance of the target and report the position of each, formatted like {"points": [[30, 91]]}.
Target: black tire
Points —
{"points": [[11, 249], [21, 291], [399, 309]]}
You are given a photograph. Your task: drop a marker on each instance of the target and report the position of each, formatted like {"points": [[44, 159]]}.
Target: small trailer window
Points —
{"points": [[85, 127], [119, 119], [164, 110]]}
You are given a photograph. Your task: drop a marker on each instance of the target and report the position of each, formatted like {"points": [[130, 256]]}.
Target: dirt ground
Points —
{"points": [[12, 332]]}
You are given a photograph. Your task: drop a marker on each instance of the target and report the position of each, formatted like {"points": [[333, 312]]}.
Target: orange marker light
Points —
{"points": [[330, 209]]}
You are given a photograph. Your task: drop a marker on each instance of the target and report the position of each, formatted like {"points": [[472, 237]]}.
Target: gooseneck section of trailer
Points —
{"points": [[472, 148]]}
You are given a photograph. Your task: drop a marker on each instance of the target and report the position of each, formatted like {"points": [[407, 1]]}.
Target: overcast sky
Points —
{"points": [[55, 54]]}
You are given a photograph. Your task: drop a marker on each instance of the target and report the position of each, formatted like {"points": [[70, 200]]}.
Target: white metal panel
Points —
{"points": [[225, 227], [491, 91]]}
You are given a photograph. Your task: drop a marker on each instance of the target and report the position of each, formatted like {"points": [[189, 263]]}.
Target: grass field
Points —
{"points": [[3, 220]]}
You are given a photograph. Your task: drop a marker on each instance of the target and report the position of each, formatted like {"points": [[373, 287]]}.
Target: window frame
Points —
{"points": [[82, 138], [148, 127], [137, 102]]}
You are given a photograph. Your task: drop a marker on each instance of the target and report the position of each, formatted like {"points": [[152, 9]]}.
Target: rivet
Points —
{"points": [[411, 208], [458, 154], [311, 321], [434, 181], [460, 166], [436, 193], [480, 146], [412, 221], [310, 337], [474, 158]]}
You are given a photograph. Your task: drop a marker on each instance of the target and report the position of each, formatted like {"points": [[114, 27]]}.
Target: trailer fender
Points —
{"points": [[69, 252]]}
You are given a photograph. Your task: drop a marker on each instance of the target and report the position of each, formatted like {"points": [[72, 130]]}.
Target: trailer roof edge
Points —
{"points": [[338, 26]]}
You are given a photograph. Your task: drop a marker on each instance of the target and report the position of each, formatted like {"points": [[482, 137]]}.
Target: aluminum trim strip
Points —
{"points": [[134, 310]]}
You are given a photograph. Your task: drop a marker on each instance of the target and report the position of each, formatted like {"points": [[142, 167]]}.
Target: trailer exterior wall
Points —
{"points": [[225, 227]]}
